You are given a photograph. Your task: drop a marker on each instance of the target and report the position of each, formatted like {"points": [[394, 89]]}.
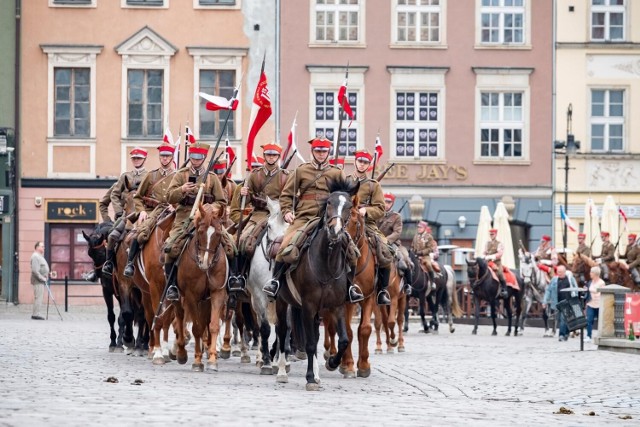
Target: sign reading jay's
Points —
{"points": [[72, 211]]}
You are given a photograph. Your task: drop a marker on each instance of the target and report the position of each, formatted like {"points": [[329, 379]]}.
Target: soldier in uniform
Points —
{"points": [[228, 186], [127, 183], [182, 193], [582, 247], [632, 255], [301, 200], [266, 180], [371, 207], [493, 253], [546, 256], [424, 246], [104, 204], [150, 202], [391, 226], [608, 254]]}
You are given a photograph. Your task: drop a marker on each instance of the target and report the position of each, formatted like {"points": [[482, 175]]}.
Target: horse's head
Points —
{"points": [[276, 224], [337, 208], [472, 269], [355, 225], [97, 244], [208, 223]]}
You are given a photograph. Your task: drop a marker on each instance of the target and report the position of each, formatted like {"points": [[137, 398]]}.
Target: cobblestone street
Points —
{"points": [[53, 373]]}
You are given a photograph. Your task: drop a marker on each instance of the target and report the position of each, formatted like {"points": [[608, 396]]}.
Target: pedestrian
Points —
{"points": [[554, 294], [39, 277], [593, 304]]}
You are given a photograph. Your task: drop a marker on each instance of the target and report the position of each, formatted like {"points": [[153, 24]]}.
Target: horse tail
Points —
{"points": [[297, 327], [456, 310]]}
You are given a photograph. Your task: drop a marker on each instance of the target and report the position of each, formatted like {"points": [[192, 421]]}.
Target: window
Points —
{"points": [[607, 120], [607, 20], [337, 21], [216, 2], [327, 110], [68, 251], [416, 124], [144, 99], [219, 83], [70, 3], [418, 21], [501, 124], [145, 2], [502, 22], [72, 102]]}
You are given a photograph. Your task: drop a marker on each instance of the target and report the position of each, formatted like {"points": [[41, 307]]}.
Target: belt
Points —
{"points": [[190, 199], [314, 196], [149, 202]]}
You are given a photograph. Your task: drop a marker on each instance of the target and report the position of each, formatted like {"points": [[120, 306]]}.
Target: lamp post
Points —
{"points": [[568, 147]]}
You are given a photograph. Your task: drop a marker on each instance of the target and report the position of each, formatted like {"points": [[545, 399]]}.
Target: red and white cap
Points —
{"points": [[320, 144], [389, 197], [138, 153], [363, 155], [199, 150], [493, 230], [546, 238], [271, 148], [423, 224], [166, 149]]}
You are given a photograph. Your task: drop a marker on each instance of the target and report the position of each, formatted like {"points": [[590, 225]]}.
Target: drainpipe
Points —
{"points": [[553, 117], [16, 138]]}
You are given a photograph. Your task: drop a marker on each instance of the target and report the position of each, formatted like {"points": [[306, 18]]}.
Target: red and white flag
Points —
{"points": [[189, 138], [168, 138], [260, 112], [291, 143], [215, 103], [230, 154], [378, 147], [176, 152], [624, 218], [343, 99]]}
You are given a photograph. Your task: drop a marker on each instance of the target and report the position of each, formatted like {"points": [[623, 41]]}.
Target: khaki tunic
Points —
{"points": [[632, 255], [120, 191], [391, 226], [371, 198], [494, 247], [543, 252], [608, 252], [583, 250], [104, 204], [153, 189], [261, 184], [423, 245]]}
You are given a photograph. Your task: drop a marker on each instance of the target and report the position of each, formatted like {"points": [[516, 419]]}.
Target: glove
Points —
{"points": [[599, 260], [118, 215], [490, 257]]}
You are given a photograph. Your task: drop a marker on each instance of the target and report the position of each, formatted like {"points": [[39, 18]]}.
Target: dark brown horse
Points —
{"points": [[618, 272], [201, 278], [318, 283]]}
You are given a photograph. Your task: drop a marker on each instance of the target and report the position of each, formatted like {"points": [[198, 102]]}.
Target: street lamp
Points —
{"points": [[568, 147]]}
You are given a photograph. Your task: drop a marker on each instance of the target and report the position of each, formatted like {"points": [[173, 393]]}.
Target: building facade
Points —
{"points": [[598, 75], [459, 93], [100, 77]]}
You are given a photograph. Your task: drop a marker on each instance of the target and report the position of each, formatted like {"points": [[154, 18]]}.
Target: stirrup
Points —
{"points": [[173, 294], [129, 270], [268, 288], [236, 283], [91, 276], [406, 288], [107, 268], [383, 298], [355, 294]]}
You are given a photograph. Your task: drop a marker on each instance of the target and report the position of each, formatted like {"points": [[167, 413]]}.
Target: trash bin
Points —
{"points": [[571, 309]]}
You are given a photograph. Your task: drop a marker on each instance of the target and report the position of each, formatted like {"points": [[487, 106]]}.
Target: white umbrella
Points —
{"points": [[501, 223], [484, 225], [610, 219], [592, 227]]}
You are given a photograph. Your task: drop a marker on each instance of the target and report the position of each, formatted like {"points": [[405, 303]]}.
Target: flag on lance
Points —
{"points": [[378, 147], [230, 154], [215, 103], [260, 112], [343, 99], [291, 143], [168, 138], [625, 220], [570, 224], [189, 138]]}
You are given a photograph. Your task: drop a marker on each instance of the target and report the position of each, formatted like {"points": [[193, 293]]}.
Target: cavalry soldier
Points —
{"points": [[391, 226], [424, 246], [228, 186], [126, 184], [266, 180], [150, 202], [371, 207], [546, 256], [582, 247], [301, 200], [632, 255], [493, 253], [104, 204], [608, 254], [182, 192]]}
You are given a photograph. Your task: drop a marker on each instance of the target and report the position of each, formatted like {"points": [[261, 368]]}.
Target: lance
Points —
{"points": [[286, 162], [384, 172], [403, 205], [226, 172], [336, 155]]}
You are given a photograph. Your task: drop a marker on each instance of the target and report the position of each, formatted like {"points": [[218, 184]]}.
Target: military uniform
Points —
{"points": [[391, 226], [104, 204], [607, 255], [546, 256], [583, 250], [632, 255], [423, 245], [493, 251]]}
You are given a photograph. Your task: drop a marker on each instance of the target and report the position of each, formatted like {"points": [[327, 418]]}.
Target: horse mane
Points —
{"points": [[342, 185], [103, 228]]}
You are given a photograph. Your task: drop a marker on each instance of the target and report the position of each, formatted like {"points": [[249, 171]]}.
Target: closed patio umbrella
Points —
{"points": [[484, 225], [501, 223], [610, 219], [592, 226]]}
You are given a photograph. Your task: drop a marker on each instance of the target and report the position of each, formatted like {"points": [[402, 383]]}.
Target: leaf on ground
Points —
{"points": [[564, 411], [111, 380], [137, 382], [625, 417]]}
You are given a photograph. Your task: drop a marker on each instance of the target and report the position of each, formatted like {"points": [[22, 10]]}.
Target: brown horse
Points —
{"points": [[390, 316], [618, 272], [201, 278]]}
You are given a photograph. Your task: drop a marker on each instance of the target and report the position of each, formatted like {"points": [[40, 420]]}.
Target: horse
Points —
{"points": [[444, 296], [486, 288], [420, 288], [319, 282], [618, 273], [535, 284], [201, 278], [97, 250], [390, 316]]}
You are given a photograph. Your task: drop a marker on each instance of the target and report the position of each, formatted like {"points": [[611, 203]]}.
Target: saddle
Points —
{"points": [[291, 253], [249, 242]]}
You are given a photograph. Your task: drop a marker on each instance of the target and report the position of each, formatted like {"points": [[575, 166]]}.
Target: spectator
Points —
{"points": [[593, 305], [39, 277], [554, 294]]}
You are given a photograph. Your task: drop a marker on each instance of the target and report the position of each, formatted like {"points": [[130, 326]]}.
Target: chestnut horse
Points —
{"points": [[202, 277], [319, 282], [618, 272], [390, 316]]}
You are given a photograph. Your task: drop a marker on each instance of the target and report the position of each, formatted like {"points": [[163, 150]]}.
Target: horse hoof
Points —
{"points": [[138, 352], [452, 330], [390, 350], [197, 367], [119, 349], [348, 374], [364, 373], [435, 332], [112, 349], [172, 355], [236, 353], [494, 333], [342, 370], [312, 387], [282, 379], [129, 351], [259, 363], [326, 355], [508, 334], [328, 366], [401, 349], [291, 358], [301, 355], [255, 346], [225, 354], [405, 329], [245, 359], [212, 367], [474, 332], [393, 342], [266, 370], [377, 351], [158, 361], [287, 368], [182, 359]]}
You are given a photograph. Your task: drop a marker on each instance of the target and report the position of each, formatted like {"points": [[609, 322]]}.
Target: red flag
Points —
{"points": [[260, 112], [343, 99], [231, 155], [379, 147], [624, 217], [215, 103]]}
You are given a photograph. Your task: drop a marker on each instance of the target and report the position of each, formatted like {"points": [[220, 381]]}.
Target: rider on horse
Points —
{"points": [[265, 181], [583, 249], [424, 246], [546, 256], [150, 202], [127, 183], [608, 254], [391, 226], [632, 255], [301, 200], [371, 207], [103, 207], [493, 253]]}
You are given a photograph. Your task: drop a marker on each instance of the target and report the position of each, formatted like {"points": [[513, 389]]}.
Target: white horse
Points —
{"points": [[260, 273], [535, 282]]}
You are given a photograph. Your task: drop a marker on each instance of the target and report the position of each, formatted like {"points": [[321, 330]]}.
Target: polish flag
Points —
{"points": [[215, 103], [624, 218], [230, 154], [168, 138], [188, 136], [176, 152], [343, 99], [378, 147], [260, 112], [291, 144]]}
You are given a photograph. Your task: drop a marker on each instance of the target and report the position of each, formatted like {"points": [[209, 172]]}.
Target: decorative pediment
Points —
{"points": [[148, 43]]}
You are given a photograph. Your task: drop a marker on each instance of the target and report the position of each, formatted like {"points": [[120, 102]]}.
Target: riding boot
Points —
{"points": [[173, 294], [133, 252], [107, 268], [271, 288], [91, 276], [236, 282], [503, 288], [432, 279], [383, 283], [408, 279]]}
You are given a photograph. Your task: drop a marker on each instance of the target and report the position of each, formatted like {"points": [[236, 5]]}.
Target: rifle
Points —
{"points": [[287, 161], [384, 172], [403, 205]]}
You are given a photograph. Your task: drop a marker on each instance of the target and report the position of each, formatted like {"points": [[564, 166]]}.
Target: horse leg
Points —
{"points": [[343, 341], [346, 364], [180, 351], [197, 329], [423, 301], [494, 315], [406, 314], [329, 335], [265, 331], [241, 323], [518, 310], [545, 319], [391, 324], [507, 306], [225, 351], [107, 294], [476, 308], [364, 333], [217, 311], [402, 304], [377, 324], [282, 330], [434, 307]]}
